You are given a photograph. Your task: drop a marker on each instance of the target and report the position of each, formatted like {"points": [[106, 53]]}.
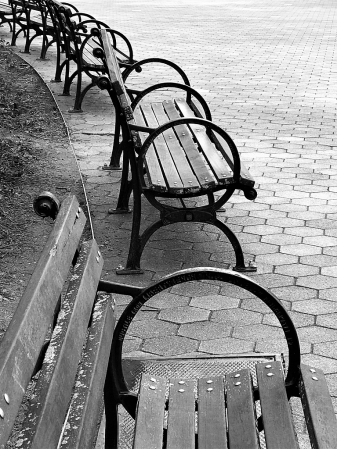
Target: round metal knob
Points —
{"points": [[46, 205]]}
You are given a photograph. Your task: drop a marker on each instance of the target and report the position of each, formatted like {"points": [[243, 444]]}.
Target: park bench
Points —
{"points": [[74, 39], [32, 19], [175, 155], [62, 352], [41, 351], [6, 14]]}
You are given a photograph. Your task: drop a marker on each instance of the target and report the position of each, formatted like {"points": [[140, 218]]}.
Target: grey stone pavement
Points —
{"points": [[269, 73]]}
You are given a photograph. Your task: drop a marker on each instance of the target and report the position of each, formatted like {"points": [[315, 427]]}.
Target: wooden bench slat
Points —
{"points": [[276, 415], [245, 175], [84, 412], [22, 343], [181, 415], [211, 413], [219, 166], [241, 415], [318, 408], [205, 143], [149, 425], [115, 75], [56, 379], [155, 175], [198, 162], [186, 174], [172, 177]]}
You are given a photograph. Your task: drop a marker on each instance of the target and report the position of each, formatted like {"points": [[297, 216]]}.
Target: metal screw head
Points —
{"points": [[6, 398], [97, 259], [237, 384], [181, 390], [312, 370], [209, 389], [237, 375], [270, 374], [152, 387], [181, 382], [314, 378], [267, 366], [153, 379], [99, 253], [209, 381], [2, 415]]}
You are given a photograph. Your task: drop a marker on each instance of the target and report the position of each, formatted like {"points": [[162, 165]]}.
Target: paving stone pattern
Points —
{"points": [[269, 72]]}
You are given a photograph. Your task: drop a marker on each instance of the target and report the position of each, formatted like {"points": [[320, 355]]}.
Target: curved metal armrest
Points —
{"points": [[79, 15], [70, 6], [186, 87], [95, 31], [199, 274], [138, 67]]}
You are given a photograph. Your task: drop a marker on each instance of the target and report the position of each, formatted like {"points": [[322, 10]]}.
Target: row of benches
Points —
{"points": [[61, 335], [68, 29], [189, 161]]}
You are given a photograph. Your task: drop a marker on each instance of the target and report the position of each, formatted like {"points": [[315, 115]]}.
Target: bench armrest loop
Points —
{"points": [[95, 31], [198, 274], [197, 121], [180, 86], [138, 67], [79, 15]]}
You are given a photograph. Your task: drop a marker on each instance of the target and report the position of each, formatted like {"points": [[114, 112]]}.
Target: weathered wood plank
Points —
{"points": [[220, 167], [318, 408], [50, 401], [25, 336], [80, 429], [211, 414], [242, 433], [223, 167], [149, 425], [155, 175], [181, 415], [189, 180], [276, 414], [197, 161], [115, 75], [173, 180]]}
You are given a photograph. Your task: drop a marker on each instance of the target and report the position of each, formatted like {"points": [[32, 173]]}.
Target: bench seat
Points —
{"points": [[221, 412], [175, 164]]}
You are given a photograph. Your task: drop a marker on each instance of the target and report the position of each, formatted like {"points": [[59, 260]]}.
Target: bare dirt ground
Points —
{"points": [[35, 155]]}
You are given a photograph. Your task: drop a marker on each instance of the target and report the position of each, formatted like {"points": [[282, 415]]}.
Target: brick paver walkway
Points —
{"points": [[269, 72]]}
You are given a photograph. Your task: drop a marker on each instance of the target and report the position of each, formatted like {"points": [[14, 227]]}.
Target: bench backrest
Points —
{"points": [[115, 76], [47, 334]]}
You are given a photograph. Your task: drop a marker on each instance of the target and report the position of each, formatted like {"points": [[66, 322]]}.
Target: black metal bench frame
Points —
{"points": [[76, 42], [137, 143]]}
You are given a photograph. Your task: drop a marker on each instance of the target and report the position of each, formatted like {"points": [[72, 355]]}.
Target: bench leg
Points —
{"points": [[138, 242], [125, 188], [116, 153], [137, 245], [240, 262], [111, 423]]}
